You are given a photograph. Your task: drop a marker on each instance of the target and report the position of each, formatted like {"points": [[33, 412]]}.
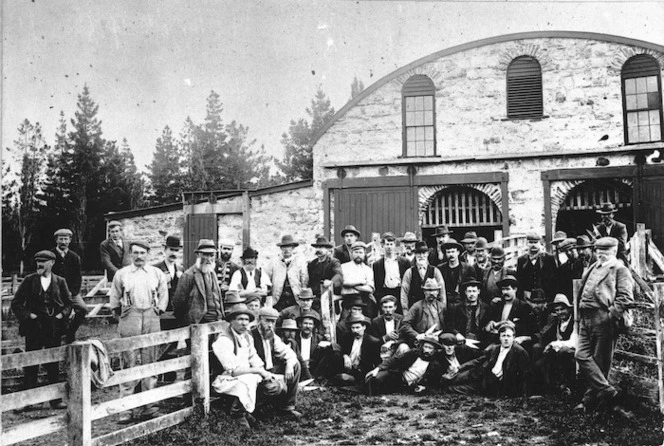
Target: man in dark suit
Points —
{"points": [[512, 309], [42, 305], [611, 228], [308, 339], [324, 271], [454, 271], [387, 325], [453, 356], [304, 304], [569, 270], [68, 266], [114, 251], [536, 270], [491, 292], [173, 271], [468, 318], [350, 236], [389, 270], [437, 254], [482, 261]]}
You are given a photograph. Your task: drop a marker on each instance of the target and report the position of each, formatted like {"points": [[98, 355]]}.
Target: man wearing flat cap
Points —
{"points": [[454, 357], [609, 227], [389, 270], [415, 370], [324, 271], [454, 271], [358, 278], [224, 267], [42, 305], [605, 297], [342, 252], [536, 269], [387, 325], [250, 278], [510, 308], [139, 294], [68, 266], [467, 319], [197, 298], [287, 273], [114, 251], [415, 276]]}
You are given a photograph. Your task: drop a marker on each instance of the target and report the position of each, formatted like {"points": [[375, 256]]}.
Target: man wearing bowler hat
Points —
{"points": [[224, 267], [350, 236], [454, 271], [138, 295], [173, 271], [536, 269], [609, 227], [324, 271], [114, 251], [287, 273], [250, 278], [42, 305], [389, 270], [437, 254], [415, 276], [68, 266], [197, 298]]}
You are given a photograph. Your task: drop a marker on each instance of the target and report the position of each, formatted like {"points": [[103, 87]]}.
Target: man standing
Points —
{"points": [[606, 293], [324, 271], [437, 255], [454, 271], [173, 271], [536, 270], [608, 227], [414, 277], [138, 294], [350, 236], [389, 270], [468, 254], [287, 274], [584, 249], [68, 266], [224, 267], [114, 251], [197, 299], [491, 292], [568, 267], [482, 262], [358, 278], [424, 316], [249, 278], [409, 240], [42, 305]]}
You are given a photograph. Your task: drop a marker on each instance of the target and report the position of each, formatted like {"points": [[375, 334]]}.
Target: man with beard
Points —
{"points": [[387, 325], [353, 306], [173, 271], [358, 278], [114, 251], [249, 278], [416, 370], [415, 276], [408, 242], [288, 331], [68, 266], [491, 292], [424, 316], [468, 254], [42, 305], [611, 228], [304, 304], [324, 271], [467, 319], [536, 270], [287, 273], [482, 262], [568, 269], [279, 359], [389, 270], [139, 293], [198, 296], [350, 236], [224, 267], [437, 254], [454, 271], [584, 249], [511, 309]]}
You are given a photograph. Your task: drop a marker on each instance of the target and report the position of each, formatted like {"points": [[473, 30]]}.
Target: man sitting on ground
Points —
{"points": [[467, 319], [425, 316], [386, 326]]}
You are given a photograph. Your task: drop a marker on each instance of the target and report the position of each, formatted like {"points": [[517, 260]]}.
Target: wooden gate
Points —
{"points": [[652, 196], [196, 227]]}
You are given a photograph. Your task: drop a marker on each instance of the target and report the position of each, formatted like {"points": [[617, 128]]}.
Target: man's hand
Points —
{"points": [[372, 374], [393, 335], [496, 300], [491, 326], [521, 339], [33, 316], [327, 283], [59, 316], [420, 336], [324, 344], [348, 364], [461, 339], [224, 287], [289, 373]]}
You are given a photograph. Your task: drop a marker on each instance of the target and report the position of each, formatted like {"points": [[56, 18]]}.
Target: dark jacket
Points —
{"points": [[456, 320], [516, 371], [550, 332], [378, 330], [113, 258], [329, 269], [435, 258], [402, 363], [487, 293], [520, 314], [369, 351], [452, 286], [619, 232], [31, 298], [189, 301], [69, 268], [342, 253], [224, 277], [172, 282], [567, 272], [379, 274], [542, 275], [413, 322]]}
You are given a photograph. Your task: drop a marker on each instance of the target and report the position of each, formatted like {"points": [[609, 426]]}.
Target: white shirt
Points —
{"points": [[497, 369], [305, 346], [389, 326], [45, 281], [392, 277], [143, 287], [506, 310], [267, 348], [416, 371], [355, 273], [355, 353]]}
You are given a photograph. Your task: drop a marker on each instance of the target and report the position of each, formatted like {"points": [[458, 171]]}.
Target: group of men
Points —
{"points": [[452, 317]]}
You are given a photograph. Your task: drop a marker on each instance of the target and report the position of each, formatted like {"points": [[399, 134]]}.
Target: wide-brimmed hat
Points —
{"points": [[44, 255], [388, 298], [560, 299], [207, 246], [249, 253], [606, 242], [497, 252], [306, 293], [583, 241], [139, 243], [63, 231], [287, 240], [558, 237], [481, 243], [431, 284], [441, 231], [451, 244], [607, 208], [311, 314], [353, 300], [421, 247], [469, 237], [288, 324], [470, 282], [430, 340], [358, 244], [233, 298], [508, 280], [350, 228], [447, 339], [355, 318], [409, 237], [567, 244], [173, 242], [240, 309], [322, 242], [268, 313]]}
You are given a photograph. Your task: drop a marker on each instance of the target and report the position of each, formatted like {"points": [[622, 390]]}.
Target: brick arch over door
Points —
{"points": [[428, 196]]}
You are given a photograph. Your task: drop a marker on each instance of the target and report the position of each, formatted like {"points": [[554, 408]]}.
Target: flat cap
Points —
{"points": [[44, 255], [140, 243], [606, 243], [63, 231], [114, 223], [268, 313]]}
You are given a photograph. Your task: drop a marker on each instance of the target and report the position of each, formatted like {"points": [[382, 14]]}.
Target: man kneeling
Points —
{"points": [[244, 371]]}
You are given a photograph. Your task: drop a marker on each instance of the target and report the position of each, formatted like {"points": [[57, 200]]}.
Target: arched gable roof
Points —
{"points": [[477, 44]]}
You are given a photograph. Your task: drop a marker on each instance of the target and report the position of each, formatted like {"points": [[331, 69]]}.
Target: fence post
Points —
{"points": [[200, 367], [79, 393]]}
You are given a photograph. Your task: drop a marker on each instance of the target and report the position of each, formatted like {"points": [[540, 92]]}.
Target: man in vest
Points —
{"points": [[536, 269], [287, 273], [609, 227], [224, 266], [414, 277], [249, 278], [350, 236], [173, 271], [389, 270], [114, 251]]}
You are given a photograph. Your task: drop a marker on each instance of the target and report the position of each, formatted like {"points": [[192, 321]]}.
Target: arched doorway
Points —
{"points": [[577, 213], [462, 209]]}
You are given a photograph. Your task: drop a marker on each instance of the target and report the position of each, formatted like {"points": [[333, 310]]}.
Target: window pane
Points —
{"points": [[633, 134], [420, 134], [630, 102], [654, 117], [643, 118], [410, 104], [428, 118], [632, 119], [418, 148], [644, 133], [630, 86], [642, 100], [653, 100], [410, 147], [429, 148], [641, 85], [409, 119], [655, 133], [428, 102], [428, 133], [419, 103], [651, 83]]}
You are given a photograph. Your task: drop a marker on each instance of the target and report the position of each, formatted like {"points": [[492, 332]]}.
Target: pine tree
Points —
{"points": [[165, 176], [356, 88]]}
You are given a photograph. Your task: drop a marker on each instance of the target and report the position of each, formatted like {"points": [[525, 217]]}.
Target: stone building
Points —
{"points": [[505, 135]]}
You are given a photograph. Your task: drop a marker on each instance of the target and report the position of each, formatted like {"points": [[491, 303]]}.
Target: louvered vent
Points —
{"points": [[524, 89]]}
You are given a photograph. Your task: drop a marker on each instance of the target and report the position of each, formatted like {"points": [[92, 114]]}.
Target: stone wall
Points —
{"points": [[153, 229]]}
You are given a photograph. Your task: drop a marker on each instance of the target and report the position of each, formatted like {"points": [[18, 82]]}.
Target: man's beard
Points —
{"points": [[205, 268], [422, 262], [358, 260], [426, 355], [305, 333], [267, 334], [225, 256]]}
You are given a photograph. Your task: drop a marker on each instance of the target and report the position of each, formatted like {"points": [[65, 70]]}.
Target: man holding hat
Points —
{"points": [[350, 236], [249, 278], [454, 271], [415, 370], [437, 254], [114, 251], [197, 298], [68, 266], [324, 271], [510, 308], [138, 295], [468, 255], [287, 273], [173, 271], [42, 305], [389, 270], [358, 278], [606, 294], [609, 227], [467, 319], [491, 292], [386, 326], [536, 269], [415, 276], [425, 316], [224, 267], [408, 242]]}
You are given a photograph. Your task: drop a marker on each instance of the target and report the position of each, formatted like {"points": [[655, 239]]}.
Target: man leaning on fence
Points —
{"points": [[139, 294], [42, 305]]}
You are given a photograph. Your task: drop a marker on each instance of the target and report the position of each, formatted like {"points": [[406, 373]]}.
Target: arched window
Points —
{"points": [[419, 116], [524, 88], [642, 99]]}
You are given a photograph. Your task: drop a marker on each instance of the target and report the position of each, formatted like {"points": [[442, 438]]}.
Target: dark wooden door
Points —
{"points": [[378, 210], [652, 213], [196, 227]]}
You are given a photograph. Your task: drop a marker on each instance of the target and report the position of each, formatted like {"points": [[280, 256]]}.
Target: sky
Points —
{"points": [[149, 63]]}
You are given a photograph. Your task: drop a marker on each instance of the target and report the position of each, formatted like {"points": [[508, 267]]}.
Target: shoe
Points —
{"points": [[250, 418], [125, 418], [623, 413], [292, 413], [58, 405], [150, 415], [579, 408], [241, 421]]}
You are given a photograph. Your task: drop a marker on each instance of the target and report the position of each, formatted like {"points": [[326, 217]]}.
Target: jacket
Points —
{"points": [[329, 269], [69, 268], [413, 323], [379, 274], [31, 298], [456, 319], [112, 258], [516, 371], [278, 271], [189, 301], [402, 363], [614, 290], [547, 272], [377, 326], [172, 282], [520, 314], [369, 351], [280, 350]]}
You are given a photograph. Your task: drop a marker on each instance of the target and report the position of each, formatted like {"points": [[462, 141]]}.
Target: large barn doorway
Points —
{"points": [[577, 214], [462, 209]]}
